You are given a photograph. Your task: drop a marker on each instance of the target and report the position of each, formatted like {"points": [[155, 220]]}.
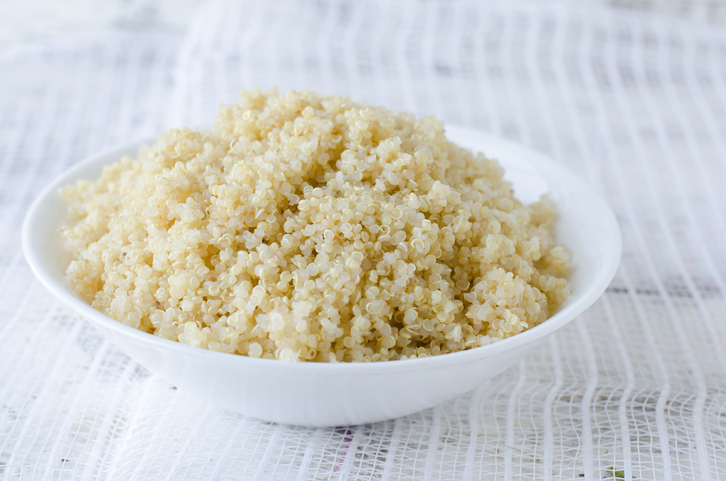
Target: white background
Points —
{"points": [[631, 99]]}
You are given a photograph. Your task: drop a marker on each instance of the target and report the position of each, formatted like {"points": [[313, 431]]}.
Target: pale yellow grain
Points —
{"points": [[311, 228]]}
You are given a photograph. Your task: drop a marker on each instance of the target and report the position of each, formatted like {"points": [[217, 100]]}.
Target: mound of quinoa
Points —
{"points": [[312, 228]]}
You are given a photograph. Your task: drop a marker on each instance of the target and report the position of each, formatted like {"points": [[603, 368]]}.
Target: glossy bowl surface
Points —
{"points": [[323, 394]]}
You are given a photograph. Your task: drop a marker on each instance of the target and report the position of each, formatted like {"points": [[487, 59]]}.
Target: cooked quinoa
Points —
{"points": [[312, 228]]}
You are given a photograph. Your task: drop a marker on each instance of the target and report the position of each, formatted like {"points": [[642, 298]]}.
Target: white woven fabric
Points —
{"points": [[633, 389]]}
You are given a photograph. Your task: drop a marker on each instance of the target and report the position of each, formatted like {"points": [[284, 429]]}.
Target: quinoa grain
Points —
{"points": [[310, 228]]}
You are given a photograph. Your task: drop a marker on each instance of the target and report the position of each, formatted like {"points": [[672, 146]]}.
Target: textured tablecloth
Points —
{"points": [[635, 388]]}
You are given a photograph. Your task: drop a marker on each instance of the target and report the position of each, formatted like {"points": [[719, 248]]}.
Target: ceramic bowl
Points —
{"points": [[324, 394]]}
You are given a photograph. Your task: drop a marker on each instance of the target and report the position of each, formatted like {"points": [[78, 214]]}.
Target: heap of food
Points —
{"points": [[312, 228]]}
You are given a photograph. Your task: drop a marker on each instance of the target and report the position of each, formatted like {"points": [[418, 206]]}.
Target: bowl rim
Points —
{"points": [[563, 316]]}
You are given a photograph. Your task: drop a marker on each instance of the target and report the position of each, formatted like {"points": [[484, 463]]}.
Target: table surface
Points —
{"points": [[634, 101], [37, 21]]}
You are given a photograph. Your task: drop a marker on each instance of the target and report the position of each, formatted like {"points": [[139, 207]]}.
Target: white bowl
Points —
{"points": [[323, 394]]}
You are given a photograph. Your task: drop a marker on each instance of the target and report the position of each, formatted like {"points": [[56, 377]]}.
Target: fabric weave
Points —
{"points": [[634, 388]]}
